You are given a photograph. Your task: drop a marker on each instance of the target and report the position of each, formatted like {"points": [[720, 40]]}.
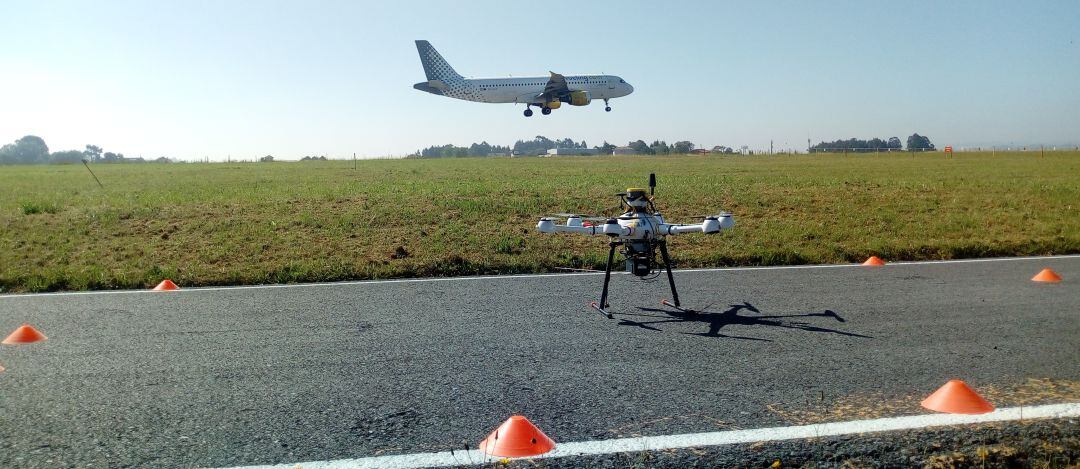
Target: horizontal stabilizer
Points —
{"points": [[433, 86]]}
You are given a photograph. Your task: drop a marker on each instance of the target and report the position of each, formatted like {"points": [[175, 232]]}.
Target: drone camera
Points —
{"points": [[638, 266], [639, 258]]}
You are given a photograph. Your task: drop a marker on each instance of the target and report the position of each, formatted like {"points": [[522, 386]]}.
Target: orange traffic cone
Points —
{"points": [[25, 334], [166, 285], [517, 437], [874, 261], [1047, 275], [955, 397]]}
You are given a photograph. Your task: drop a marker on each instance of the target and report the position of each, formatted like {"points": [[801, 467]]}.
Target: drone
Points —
{"points": [[640, 231]]}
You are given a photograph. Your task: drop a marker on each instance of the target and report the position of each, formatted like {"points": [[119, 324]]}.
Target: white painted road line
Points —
{"points": [[694, 440], [519, 276]]}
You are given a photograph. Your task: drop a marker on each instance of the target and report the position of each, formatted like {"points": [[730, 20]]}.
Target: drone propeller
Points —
{"points": [[721, 214], [583, 217]]}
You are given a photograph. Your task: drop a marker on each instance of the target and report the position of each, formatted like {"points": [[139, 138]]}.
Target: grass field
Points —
{"points": [[218, 224]]}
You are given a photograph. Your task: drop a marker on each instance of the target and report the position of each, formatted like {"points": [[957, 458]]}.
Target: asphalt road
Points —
{"points": [[221, 377]]}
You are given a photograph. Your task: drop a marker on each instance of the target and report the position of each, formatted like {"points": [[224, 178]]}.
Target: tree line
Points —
{"points": [[32, 149], [659, 147], [541, 144], [915, 142], [536, 146], [451, 151]]}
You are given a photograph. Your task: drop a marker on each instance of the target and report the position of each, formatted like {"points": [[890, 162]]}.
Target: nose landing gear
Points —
{"points": [[606, 107]]}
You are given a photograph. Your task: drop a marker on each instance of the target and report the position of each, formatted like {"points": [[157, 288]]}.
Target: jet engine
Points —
{"points": [[577, 98]]}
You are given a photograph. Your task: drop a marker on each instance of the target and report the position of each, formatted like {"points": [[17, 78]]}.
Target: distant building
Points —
{"points": [[572, 151], [623, 151]]}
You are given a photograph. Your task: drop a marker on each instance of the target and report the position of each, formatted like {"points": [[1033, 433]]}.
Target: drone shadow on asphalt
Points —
{"points": [[730, 316]]}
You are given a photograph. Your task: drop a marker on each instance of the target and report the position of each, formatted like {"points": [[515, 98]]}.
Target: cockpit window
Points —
{"points": [[622, 81]]}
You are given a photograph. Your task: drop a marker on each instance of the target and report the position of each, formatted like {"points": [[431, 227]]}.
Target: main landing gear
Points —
{"points": [[543, 110], [606, 107]]}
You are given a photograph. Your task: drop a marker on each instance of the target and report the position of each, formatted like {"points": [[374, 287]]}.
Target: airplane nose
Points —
{"points": [[629, 88]]}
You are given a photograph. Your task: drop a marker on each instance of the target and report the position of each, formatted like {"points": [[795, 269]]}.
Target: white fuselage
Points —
{"points": [[525, 90]]}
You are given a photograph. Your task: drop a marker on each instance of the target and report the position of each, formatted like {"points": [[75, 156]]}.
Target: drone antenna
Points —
{"points": [[652, 183]]}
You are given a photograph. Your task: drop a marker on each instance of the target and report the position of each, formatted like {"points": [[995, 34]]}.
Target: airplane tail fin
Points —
{"points": [[435, 65]]}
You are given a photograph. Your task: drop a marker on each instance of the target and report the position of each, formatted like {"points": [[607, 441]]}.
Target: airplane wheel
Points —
{"points": [[545, 111], [608, 109], [528, 113]]}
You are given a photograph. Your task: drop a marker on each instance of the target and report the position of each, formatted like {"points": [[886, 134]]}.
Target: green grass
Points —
{"points": [[31, 207], [215, 224]]}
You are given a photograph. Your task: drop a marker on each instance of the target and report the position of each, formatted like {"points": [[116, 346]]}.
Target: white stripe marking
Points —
{"points": [[694, 440], [520, 276]]}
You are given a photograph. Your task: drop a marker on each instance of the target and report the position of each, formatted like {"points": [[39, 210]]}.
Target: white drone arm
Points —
{"points": [[612, 228], [574, 225], [710, 225]]}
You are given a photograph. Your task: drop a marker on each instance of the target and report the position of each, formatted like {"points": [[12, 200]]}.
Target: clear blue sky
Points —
{"points": [[190, 79]]}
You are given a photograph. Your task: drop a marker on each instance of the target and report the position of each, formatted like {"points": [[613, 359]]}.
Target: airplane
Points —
{"points": [[545, 92]]}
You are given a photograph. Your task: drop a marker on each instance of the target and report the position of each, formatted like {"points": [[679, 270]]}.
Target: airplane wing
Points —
{"points": [[556, 87]]}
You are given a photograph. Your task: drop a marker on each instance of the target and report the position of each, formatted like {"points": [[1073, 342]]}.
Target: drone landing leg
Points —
{"points": [[670, 277], [602, 306]]}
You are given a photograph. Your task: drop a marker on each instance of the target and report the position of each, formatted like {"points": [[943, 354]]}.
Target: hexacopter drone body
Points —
{"points": [[641, 231]]}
